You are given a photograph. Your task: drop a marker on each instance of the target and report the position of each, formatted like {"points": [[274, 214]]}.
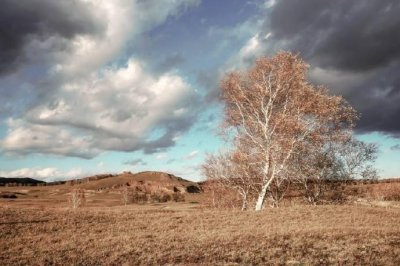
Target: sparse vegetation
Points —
{"points": [[147, 194], [139, 197], [344, 235], [178, 197], [125, 195], [39, 228], [77, 198], [8, 195], [160, 196]]}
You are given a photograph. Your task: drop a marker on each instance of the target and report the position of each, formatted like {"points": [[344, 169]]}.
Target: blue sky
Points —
{"points": [[95, 86]]}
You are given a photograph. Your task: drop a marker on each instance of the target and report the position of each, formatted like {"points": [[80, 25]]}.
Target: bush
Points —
{"points": [[8, 196], [138, 197], [394, 197], [178, 197], [336, 194], [385, 192], [221, 197]]}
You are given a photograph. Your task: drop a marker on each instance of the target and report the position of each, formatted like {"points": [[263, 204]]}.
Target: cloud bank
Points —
{"points": [[48, 174], [85, 96], [352, 47]]}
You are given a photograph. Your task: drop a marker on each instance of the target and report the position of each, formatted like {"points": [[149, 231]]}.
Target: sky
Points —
{"points": [[98, 86]]}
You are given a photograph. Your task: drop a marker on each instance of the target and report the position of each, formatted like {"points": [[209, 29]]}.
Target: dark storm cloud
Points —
{"points": [[22, 21], [377, 99], [347, 35], [359, 38]]}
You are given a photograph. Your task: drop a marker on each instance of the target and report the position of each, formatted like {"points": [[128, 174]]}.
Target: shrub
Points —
{"points": [[385, 191], [160, 196], [138, 197], [178, 197], [221, 197]]}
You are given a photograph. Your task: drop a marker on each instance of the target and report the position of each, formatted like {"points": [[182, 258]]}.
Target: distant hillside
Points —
{"points": [[154, 179], [26, 181], [150, 179]]}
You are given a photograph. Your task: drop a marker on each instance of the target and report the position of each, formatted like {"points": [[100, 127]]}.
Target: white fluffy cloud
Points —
{"points": [[112, 111], [24, 138], [125, 20], [46, 174], [92, 102]]}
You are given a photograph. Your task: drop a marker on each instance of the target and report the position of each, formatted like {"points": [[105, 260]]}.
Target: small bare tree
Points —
{"points": [[321, 168], [126, 196], [313, 169], [77, 198], [234, 171], [221, 196], [353, 160]]}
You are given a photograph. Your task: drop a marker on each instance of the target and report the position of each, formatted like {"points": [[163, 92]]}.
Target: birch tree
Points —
{"points": [[273, 111]]}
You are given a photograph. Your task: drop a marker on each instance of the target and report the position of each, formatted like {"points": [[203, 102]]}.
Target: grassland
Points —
{"points": [[38, 227], [188, 234]]}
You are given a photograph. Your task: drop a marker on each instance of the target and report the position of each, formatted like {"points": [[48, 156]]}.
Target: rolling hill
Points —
{"points": [[25, 181], [151, 178]]}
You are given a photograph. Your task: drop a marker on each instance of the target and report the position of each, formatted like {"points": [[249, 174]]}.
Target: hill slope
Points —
{"points": [[157, 179], [26, 181]]}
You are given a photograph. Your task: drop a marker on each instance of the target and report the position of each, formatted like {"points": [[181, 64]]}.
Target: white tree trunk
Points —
{"points": [[244, 205], [244, 200], [264, 189], [261, 196]]}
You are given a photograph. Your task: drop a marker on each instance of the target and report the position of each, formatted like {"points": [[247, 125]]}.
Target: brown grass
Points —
{"points": [[39, 227], [385, 191], [180, 235]]}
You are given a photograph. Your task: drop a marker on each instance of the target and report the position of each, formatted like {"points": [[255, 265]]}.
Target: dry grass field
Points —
{"points": [[187, 234], [39, 227]]}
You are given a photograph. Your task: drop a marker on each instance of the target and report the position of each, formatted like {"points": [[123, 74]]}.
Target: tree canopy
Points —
{"points": [[276, 117]]}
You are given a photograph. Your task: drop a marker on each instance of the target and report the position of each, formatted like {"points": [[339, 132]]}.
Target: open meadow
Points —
{"points": [[185, 234], [38, 226]]}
